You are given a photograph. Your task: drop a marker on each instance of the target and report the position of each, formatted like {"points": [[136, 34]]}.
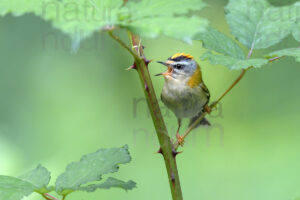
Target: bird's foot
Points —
{"points": [[207, 109], [180, 139]]}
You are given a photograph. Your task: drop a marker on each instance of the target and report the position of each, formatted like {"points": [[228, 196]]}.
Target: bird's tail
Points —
{"points": [[203, 122]]}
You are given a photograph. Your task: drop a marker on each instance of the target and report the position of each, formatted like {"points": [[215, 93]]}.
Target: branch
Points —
{"points": [[166, 146], [275, 58], [111, 34], [49, 197]]}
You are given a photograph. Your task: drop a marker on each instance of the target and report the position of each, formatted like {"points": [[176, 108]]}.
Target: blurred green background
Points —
{"points": [[57, 105]]}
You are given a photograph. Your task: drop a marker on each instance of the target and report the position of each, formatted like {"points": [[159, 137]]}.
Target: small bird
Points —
{"points": [[184, 91]]}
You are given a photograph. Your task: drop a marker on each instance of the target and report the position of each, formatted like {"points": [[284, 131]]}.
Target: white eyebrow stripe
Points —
{"points": [[181, 63]]}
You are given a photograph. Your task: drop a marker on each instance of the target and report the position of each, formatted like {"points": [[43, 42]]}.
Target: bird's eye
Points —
{"points": [[178, 66]]}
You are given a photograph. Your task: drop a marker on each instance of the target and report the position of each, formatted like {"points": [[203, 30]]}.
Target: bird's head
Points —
{"points": [[181, 67]]}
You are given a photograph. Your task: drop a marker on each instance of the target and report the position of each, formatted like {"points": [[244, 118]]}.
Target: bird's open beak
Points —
{"points": [[169, 70]]}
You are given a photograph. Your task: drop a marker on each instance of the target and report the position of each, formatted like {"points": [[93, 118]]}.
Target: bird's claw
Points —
{"points": [[207, 109], [180, 139]]}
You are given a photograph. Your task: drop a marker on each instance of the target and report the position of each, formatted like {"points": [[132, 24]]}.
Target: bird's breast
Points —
{"points": [[183, 100]]}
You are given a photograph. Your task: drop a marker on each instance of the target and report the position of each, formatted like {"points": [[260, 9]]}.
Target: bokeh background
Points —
{"points": [[57, 105]]}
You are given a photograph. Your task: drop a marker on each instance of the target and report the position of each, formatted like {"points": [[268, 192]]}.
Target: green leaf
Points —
{"points": [[152, 18], [293, 52], [295, 15], [158, 8], [81, 18], [14, 189], [110, 183], [90, 168], [77, 18], [233, 63], [39, 177], [182, 28], [214, 40], [257, 24], [20, 7], [296, 31]]}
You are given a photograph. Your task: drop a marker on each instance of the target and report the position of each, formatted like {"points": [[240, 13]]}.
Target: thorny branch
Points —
{"points": [[166, 146]]}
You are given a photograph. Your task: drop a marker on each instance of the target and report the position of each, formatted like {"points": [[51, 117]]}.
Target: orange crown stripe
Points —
{"points": [[182, 54]]}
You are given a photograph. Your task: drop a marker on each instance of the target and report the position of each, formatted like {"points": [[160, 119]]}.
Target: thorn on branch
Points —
{"points": [[160, 151], [132, 67], [147, 61], [175, 153], [146, 87]]}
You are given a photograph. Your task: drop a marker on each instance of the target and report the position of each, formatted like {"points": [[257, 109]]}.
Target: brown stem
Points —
{"points": [[135, 56], [230, 88], [273, 59], [166, 146], [49, 197]]}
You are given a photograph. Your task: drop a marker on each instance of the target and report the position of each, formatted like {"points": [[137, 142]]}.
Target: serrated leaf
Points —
{"points": [[295, 15], [296, 31], [39, 177], [158, 8], [257, 24], [81, 18], [152, 18], [14, 189], [20, 7], [292, 52], [77, 18], [91, 167], [110, 183], [233, 63], [214, 40], [182, 28], [45, 190]]}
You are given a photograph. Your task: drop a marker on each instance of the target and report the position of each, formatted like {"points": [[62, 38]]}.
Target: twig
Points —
{"points": [[275, 58], [110, 32], [230, 87], [250, 52], [49, 197]]}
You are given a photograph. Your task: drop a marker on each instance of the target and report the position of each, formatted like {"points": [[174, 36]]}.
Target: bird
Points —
{"points": [[184, 91]]}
